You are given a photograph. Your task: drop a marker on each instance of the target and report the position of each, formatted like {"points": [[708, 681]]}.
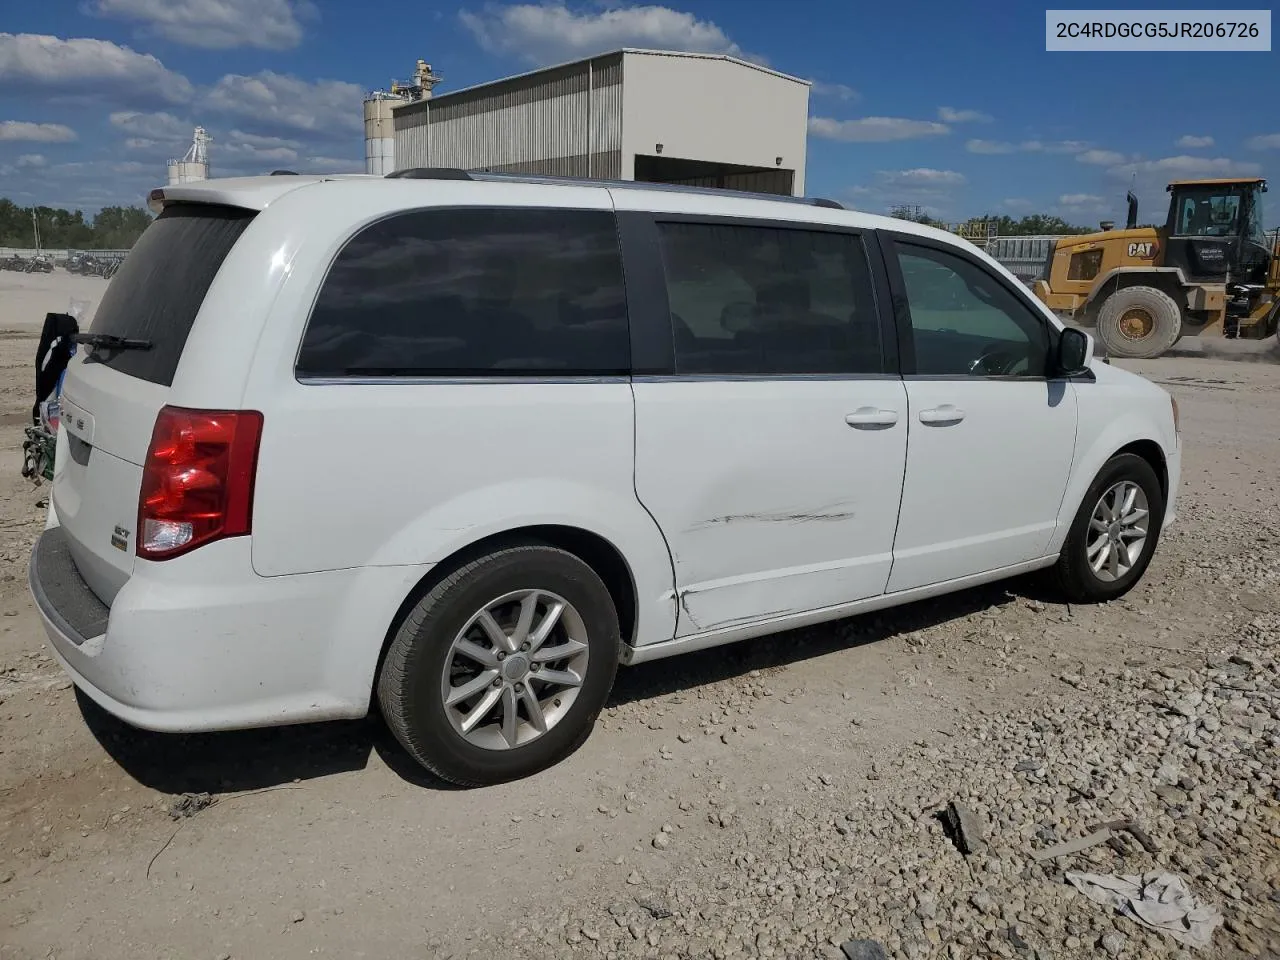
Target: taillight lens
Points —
{"points": [[1177, 418], [197, 480]]}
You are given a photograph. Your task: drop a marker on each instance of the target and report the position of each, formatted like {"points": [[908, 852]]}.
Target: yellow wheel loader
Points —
{"points": [[1211, 270]]}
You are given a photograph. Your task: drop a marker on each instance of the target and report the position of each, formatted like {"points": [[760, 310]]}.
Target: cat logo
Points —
{"points": [[1142, 251]]}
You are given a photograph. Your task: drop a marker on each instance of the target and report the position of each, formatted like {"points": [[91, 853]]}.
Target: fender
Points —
{"points": [[1092, 452], [1115, 272], [452, 525]]}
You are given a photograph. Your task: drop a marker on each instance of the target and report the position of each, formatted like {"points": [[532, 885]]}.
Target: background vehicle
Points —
{"points": [[787, 414], [1210, 270], [89, 265]]}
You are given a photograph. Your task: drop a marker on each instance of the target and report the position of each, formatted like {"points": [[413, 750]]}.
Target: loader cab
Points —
{"points": [[1215, 230]]}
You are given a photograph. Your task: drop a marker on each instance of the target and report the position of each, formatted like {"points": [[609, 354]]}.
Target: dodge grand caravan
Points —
{"points": [[461, 445]]}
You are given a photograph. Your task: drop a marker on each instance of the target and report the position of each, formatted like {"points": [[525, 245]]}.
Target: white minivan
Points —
{"points": [[464, 443]]}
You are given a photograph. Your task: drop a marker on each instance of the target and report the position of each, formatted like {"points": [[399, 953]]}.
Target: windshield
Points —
{"points": [[1216, 211], [1256, 227]]}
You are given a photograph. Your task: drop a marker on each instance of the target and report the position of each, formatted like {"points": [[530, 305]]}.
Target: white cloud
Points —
{"points": [[837, 90], [550, 32], [952, 115], [1148, 178], [331, 165], [1053, 146], [1080, 200], [141, 143], [875, 129], [922, 177], [37, 132], [1192, 142], [1016, 204], [929, 189], [244, 153], [241, 153], [216, 24], [243, 147], [990, 146], [1266, 141], [269, 101], [152, 126], [87, 185], [1026, 146], [1186, 166], [262, 143], [1101, 158], [84, 67]]}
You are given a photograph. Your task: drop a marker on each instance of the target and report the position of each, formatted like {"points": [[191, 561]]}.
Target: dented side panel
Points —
{"points": [[771, 501]]}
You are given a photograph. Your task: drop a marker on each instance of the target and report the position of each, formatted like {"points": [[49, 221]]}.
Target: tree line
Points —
{"points": [[111, 228], [1036, 224], [118, 228]]}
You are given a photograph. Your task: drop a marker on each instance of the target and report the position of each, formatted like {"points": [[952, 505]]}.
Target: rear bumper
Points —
{"points": [[202, 643]]}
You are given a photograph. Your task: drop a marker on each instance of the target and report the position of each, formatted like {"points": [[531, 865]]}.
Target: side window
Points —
{"points": [[496, 292], [964, 321], [769, 301]]}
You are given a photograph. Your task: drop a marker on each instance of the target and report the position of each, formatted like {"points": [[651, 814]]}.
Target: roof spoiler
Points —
{"points": [[429, 173]]}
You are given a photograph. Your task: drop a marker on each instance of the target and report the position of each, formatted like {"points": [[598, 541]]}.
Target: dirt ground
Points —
{"points": [[323, 841]]}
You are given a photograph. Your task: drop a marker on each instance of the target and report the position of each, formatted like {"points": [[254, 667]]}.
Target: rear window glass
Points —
{"points": [[158, 290], [473, 292]]}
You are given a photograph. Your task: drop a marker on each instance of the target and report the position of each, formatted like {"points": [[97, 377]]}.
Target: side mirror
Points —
{"points": [[1075, 352]]}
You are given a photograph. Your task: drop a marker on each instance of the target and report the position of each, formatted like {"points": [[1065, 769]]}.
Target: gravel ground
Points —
{"points": [[1188, 753], [771, 799]]}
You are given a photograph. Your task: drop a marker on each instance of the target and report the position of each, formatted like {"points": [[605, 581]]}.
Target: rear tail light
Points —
{"points": [[197, 480], [1177, 417]]}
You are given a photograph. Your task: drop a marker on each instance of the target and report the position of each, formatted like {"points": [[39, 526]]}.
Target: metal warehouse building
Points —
{"points": [[656, 116]]}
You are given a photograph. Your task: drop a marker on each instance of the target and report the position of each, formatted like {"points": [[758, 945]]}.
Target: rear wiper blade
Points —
{"points": [[112, 342]]}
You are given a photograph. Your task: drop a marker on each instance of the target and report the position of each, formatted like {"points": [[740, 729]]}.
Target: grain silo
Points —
{"points": [[379, 133], [194, 165], [655, 116], [379, 122]]}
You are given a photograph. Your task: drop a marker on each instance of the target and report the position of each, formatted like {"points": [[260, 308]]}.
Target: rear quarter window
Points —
{"points": [[159, 288], [473, 292]]}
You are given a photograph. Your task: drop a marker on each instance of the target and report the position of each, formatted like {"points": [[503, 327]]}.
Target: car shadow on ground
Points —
{"points": [[220, 763]]}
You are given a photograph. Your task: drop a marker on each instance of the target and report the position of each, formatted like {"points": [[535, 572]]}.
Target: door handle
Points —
{"points": [[872, 417], [942, 414]]}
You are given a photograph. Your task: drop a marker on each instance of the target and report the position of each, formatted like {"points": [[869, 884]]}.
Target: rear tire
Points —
{"points": [[472, 632], [1139, 323], [1077, 575]]}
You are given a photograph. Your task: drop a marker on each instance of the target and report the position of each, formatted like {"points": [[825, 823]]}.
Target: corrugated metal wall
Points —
{"points": [[606, 118], [542, 124], [1024, 257]]}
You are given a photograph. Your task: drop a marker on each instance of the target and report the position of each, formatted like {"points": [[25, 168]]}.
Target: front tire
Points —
{"points": [[500, 669], [1114, 534], [1139, 323]]}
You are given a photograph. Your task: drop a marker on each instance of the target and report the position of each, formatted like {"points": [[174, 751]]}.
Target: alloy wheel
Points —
{"points": [[1118, 531], [514, 670]]}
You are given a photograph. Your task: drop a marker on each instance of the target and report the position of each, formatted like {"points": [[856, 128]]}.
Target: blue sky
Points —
{"points": [[953, 106]]}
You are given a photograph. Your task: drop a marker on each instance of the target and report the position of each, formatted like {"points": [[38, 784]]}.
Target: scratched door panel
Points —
{"points": [[770, 500]]}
